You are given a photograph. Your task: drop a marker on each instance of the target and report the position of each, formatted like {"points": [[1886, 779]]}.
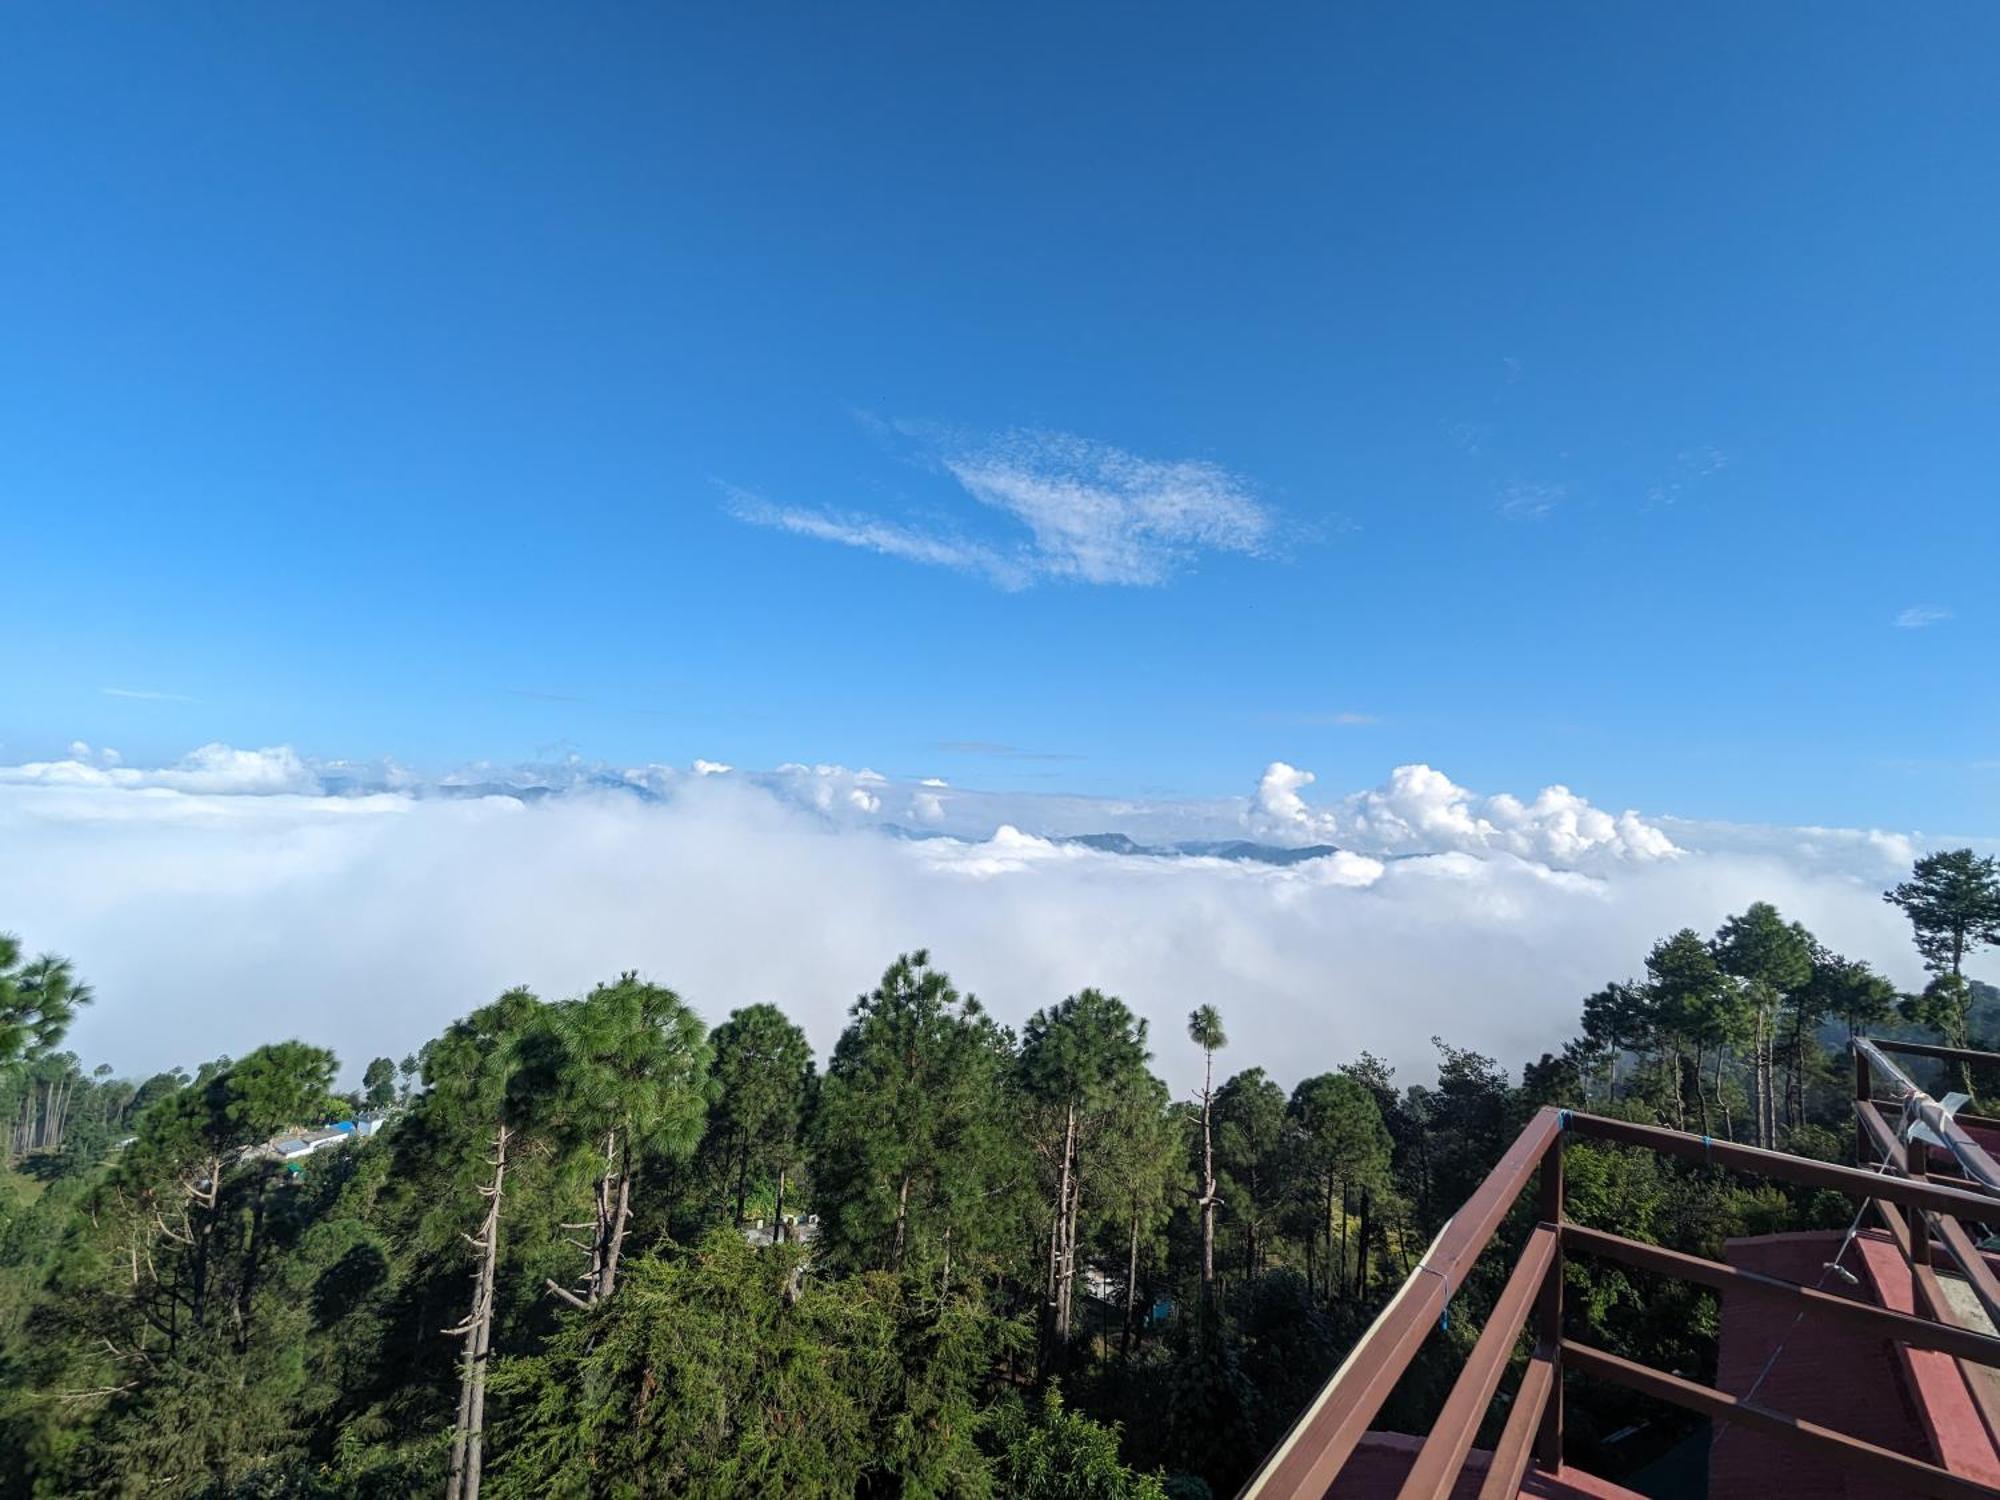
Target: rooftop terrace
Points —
{"points": [[1855, 1364]]}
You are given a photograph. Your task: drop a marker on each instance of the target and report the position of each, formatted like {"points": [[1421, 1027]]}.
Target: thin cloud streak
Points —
{"points": [[871, 534], [147, 695], [999, 751], [1921, 617], [1530, 502]]}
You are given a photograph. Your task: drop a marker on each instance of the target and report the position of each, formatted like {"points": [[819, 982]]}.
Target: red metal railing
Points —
{"points": [[1306, 1463]]}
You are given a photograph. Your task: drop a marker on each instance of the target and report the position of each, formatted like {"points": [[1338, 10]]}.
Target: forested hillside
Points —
{"points": [[599, 1247]]}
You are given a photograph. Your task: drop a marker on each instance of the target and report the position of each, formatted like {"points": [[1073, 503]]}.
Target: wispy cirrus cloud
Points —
{"points": [[1530, 502], [1092, 513], [147, 695], [1919, 616], [873, 534], [998, 751], [1101, 515], [1692, 466], [1344, 719]]}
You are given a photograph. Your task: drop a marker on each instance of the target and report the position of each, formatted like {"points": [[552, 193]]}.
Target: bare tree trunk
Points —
{"points": [[1334, 1265], [1795, 1097], [204, 1201], [1341, 1278], [1771, 1083], [1721, 1100], [1361, 1248], [902, 1220], [250, 1255], [1055, 1323], [778, 1234], [1131, 1287], [620, 1219], [468, 1441], [1066, 1293], [614, 1208], [1207, 1179]]}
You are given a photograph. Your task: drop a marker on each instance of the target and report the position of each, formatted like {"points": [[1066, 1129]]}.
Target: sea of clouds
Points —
{"points": [[241, 896]]}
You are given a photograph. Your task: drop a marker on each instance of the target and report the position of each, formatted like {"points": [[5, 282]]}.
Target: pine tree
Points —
{"points": [[630, 1069], [1249, 1157], [1952, 899], [1771, 961], [911, 1140], [482, 1078], [1205, 1031], [1078, 1059], [764, 1087], [1337, 1141]]}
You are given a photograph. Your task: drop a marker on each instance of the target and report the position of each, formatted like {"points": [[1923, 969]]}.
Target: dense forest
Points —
{"points": [[597, 1247]]}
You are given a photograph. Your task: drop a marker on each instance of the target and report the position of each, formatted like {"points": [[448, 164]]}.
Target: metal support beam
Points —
{"points": [[1851, 1453], [1517, 1439], [1435, 1473], [1880, 1322]]}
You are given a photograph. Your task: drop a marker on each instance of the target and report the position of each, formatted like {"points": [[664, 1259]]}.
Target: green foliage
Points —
{"points": [[1850, 991], [38, 1000], [764, 1088], [720, 1372], [378, 1083], [913, 1137], [1059, 1454], [1205, 1029], [1952, 899]]}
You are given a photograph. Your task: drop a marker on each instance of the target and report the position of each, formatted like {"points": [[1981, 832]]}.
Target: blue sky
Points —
{"points": [[1576, 393]]}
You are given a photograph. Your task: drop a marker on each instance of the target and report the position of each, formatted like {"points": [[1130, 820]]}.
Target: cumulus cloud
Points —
{"points": [[1091, 513], [212, 768], [1421, 810], [831, 790], [212, 916], [711, 768]]}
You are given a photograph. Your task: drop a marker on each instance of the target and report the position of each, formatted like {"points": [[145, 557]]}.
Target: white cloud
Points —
{"points": [[210, 921], [147, 695], [711, 768], [1530, 502], [833, 791], [1918, 616], [1101, 515], [927, 807], [1092, 513], [1420, 810], [213, 768], [872, 534]]}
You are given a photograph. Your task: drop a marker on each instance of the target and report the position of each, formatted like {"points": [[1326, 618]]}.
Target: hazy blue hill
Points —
{"points": [[1244, 851]]}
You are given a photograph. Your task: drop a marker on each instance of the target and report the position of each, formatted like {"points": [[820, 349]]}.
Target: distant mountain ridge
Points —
{"points": [[1241, 851]]}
